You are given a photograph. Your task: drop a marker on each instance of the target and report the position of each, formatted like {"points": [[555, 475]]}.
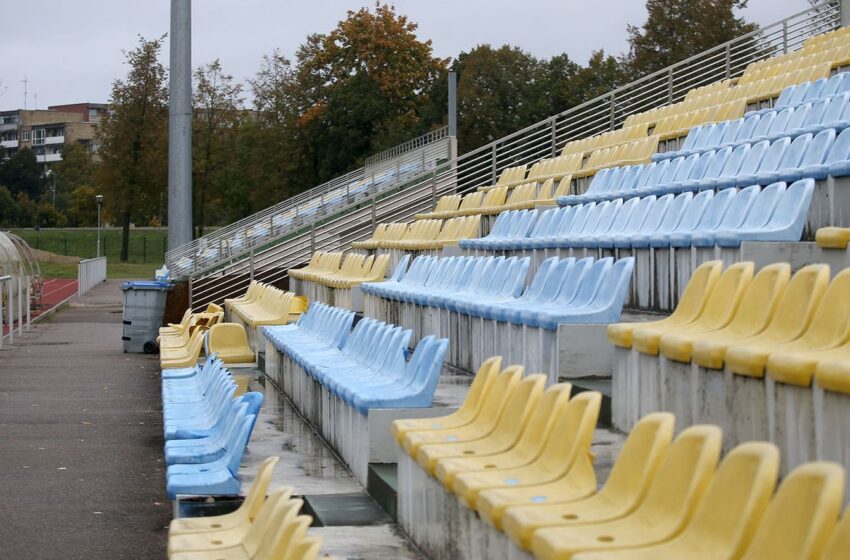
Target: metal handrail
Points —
{"points": [[423, 151], [483, 165]]}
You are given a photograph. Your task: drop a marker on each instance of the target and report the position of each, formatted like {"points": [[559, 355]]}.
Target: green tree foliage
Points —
{"points": [[21, 175], [133, 142], [74, 170], [27, 214], [8, 208], [217, 116], [678, 29], [82, 208]]}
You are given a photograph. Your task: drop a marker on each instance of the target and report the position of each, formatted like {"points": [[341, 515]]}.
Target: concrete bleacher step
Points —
{"points": [[348, 510], [382, 485]]}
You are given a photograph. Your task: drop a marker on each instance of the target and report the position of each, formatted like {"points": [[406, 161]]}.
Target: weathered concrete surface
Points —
{"points": [[81, 467]]}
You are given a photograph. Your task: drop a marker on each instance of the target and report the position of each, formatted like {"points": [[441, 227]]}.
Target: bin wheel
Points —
{"points": [[150, 347]]}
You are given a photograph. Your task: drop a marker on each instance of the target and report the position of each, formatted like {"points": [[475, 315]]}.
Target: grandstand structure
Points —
{"points": [[663, 269]]}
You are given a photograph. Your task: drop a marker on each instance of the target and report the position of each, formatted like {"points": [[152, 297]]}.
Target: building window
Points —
{"points": [[38, 136], [25, 135]]}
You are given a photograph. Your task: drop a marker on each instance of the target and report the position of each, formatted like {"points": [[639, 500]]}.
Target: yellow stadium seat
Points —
{"points": [[838, 546], [184, 356], [791, 317], [801, 517], [670, 501], [690, 305], [240, 519], [753, 315], [468, 411], [723, 523], [229, 342], [625, 488], [222, 539], [484, 422], [566, 451], [832, 237], [545, 415], [513, 418], [829, 327], [720, 307]]}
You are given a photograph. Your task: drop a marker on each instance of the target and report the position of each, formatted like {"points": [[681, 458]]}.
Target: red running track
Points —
{"points": [[56, 290]]}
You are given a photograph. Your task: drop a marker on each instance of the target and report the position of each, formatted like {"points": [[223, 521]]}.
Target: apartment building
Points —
{"points": [[47, 131]]}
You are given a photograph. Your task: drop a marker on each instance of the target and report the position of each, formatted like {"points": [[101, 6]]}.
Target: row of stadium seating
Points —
{"points": [[335, 375], [773, 213], [263, 304], [780, 343], [422, 235], [482, 306], [206, 429], [515, 458], [807, 156], [262, 527]]}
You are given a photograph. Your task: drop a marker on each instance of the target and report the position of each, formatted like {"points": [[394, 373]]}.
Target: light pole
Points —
{"points": [[99, 199]]}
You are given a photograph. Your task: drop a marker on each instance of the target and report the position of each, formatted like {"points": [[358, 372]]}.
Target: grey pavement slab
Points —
{"points": [[81, 467]]}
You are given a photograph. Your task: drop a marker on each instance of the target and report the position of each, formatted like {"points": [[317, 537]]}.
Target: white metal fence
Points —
{"points": [[90, 273]]}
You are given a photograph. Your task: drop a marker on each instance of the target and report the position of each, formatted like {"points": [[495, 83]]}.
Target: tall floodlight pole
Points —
{"points": [[180, 126], [452, 114]]}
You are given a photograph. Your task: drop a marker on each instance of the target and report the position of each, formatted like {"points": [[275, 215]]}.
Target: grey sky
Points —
{"points": [[70, 50]]}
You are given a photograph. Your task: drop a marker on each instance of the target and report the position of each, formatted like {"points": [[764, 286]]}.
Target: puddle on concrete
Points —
{"points": [[306, 463]]}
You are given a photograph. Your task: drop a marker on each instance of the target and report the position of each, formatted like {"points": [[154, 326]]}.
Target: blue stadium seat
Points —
{"points": [[709, 219], [674, 216], [738, 211], [786, 222]]}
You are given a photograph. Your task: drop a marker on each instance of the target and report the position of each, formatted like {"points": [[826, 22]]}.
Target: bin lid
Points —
{"points": [[146, 285]]}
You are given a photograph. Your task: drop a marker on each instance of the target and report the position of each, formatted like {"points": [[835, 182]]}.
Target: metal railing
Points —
{"points": [[90, 273], [411, 159], [270, 261], [409, 148], [12, 287]]}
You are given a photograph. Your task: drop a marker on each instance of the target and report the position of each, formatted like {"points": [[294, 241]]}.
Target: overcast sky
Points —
{"points": [[70, 50]]}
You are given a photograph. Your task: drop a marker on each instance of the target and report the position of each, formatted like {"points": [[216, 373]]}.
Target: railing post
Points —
{"points": [[374, 215], [728, 62], [29, 306], [20, 308], [493, 165], [312, 238], [251, 264], [611, 113], [434, 188], [11, 312], [785, 37], [554, 132], [1, 315], [670, 86]]}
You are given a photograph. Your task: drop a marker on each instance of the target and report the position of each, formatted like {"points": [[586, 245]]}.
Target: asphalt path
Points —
{"points": [[81, 465]]}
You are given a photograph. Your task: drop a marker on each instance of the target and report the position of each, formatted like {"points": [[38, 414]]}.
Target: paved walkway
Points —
{"points": [[81, 471]]}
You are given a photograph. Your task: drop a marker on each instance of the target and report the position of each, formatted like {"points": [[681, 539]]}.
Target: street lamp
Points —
{"points": [[99, 199]]}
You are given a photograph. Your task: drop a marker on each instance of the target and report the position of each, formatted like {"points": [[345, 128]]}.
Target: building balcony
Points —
{"points": [[6, 127], [54, 140], [9, 144], [48, 158]]}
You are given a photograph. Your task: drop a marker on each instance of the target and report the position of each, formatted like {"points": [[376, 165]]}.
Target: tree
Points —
{"points": [[27, 213], [499, 91], [133, 142], [8, 208], [678, 29], [217, 116], [73, 171], [82, 207], [21, 175]]}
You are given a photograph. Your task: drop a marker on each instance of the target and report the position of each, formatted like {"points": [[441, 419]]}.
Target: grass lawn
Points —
{"points": [[147, 250], [147, 245], [113, 270]]}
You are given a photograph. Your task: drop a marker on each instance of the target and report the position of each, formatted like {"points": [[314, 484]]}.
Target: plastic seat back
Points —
{"points": [[683, 476], [761, 299], [840, 150], [572, 434], [738, 210], [573, 281], [830, 324], [655, 214], [748, 128], [792, 209], [734, 502], [678, 208], [591, 282], [801, 517], [763, 207], [839, 542]]}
